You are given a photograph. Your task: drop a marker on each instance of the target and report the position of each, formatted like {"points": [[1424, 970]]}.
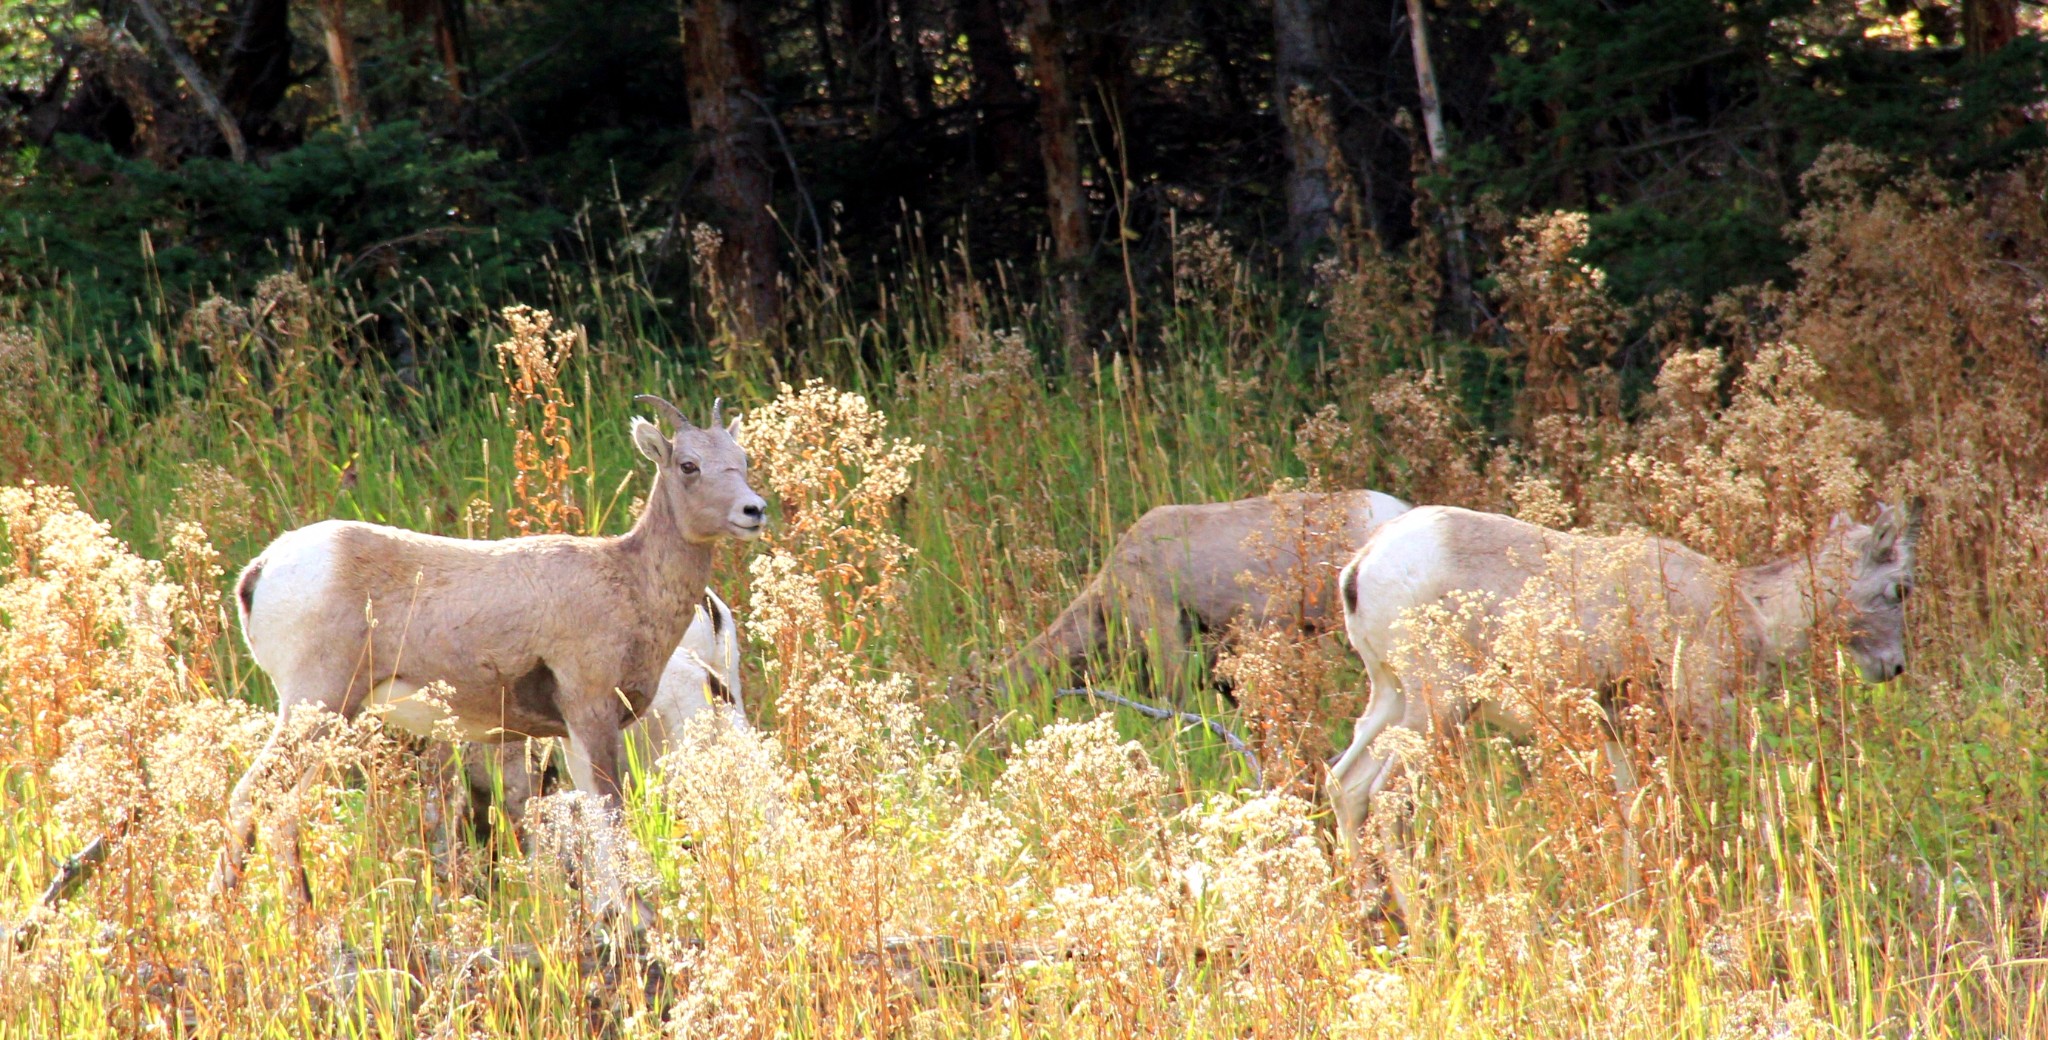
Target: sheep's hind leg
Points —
{"points": [[242, 814], [451, 810], [1357, 774], [288, 838], [1154, 626], [242, 817]]}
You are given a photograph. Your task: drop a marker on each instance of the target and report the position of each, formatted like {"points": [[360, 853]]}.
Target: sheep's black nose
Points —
{"points": [[753, 512], [1898, 670]]}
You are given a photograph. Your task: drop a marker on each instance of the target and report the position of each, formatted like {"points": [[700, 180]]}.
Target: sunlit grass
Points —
{"points": [[1862, 861]]}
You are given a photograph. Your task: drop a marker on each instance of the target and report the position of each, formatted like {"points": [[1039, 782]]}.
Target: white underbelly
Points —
{"points": [[416, 710]]}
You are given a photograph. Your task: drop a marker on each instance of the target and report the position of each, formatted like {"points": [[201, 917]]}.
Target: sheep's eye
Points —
{"points": [[689, 467]]}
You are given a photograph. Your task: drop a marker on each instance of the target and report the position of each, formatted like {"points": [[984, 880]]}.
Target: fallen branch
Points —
{"points": [[923, 965], [72, 876], [1235, 742]]}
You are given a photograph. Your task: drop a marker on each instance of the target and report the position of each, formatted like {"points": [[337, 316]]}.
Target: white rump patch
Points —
{"points": [[285, 625]]}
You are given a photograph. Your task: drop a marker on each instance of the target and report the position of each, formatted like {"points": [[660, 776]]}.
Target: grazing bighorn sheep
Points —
{"points": [[1197, 567], [1636, 590], [548, 635]]}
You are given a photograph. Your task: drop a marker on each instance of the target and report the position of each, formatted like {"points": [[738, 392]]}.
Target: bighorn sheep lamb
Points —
{"points": [[702, 676], [548, 635], [1197, 567], [1632, 593]]}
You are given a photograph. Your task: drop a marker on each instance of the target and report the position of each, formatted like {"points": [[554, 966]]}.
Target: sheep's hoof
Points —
{"points": [[227, 876], [632, 917]]}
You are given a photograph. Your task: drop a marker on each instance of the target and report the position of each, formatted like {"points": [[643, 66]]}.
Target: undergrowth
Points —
{"points": [[882, 857]]}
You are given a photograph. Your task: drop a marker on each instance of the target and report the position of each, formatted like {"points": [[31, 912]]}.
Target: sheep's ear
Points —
{"points": [[1840, 523], [733, 428], [1885, 530], [647, 437]]}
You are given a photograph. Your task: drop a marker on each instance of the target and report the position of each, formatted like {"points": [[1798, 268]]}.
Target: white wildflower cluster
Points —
{"points": [[86, 621]]}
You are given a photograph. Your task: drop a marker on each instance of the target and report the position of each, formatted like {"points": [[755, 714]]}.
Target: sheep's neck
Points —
{"points": [[672, 569], [1784, 594]]}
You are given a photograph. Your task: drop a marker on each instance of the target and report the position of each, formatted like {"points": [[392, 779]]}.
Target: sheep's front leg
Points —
{"points": [[594, 762], [592, 749], [1625, 791]]}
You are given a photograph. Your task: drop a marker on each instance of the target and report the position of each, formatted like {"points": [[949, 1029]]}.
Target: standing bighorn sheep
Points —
{"points": [[1629, 594], [1186, 568], [542, 636], [701, 677]]}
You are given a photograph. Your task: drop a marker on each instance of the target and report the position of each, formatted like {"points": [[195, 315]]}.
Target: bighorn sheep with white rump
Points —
{"points": [[548, 635], [1187, 568], [1631, 593]]}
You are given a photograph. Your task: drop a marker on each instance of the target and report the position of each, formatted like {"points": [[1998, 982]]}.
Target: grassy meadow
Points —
{"points": [[895, 853]]}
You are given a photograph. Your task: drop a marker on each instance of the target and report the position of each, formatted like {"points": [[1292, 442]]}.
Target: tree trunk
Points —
{"points": [[1300, 66], [821, 26], [725, 74], [1214, 34], [911, 15], [451, 38], [341, 65], [1425, 84], [997, 89], [1378, 166], [443, 24], [189, 70], [1988, 25], [871, 60], [258, 64], [1455, 255], [1059, 148]]}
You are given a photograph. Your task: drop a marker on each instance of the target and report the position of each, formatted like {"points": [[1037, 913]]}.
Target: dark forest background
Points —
{"points": [[170, 149]]}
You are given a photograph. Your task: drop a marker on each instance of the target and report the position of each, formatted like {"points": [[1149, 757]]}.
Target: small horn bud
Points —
{"points": [[717, 412]]}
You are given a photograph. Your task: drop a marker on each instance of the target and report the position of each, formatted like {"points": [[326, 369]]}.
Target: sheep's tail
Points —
{"points": [[1347, 586], [245, 587]]}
